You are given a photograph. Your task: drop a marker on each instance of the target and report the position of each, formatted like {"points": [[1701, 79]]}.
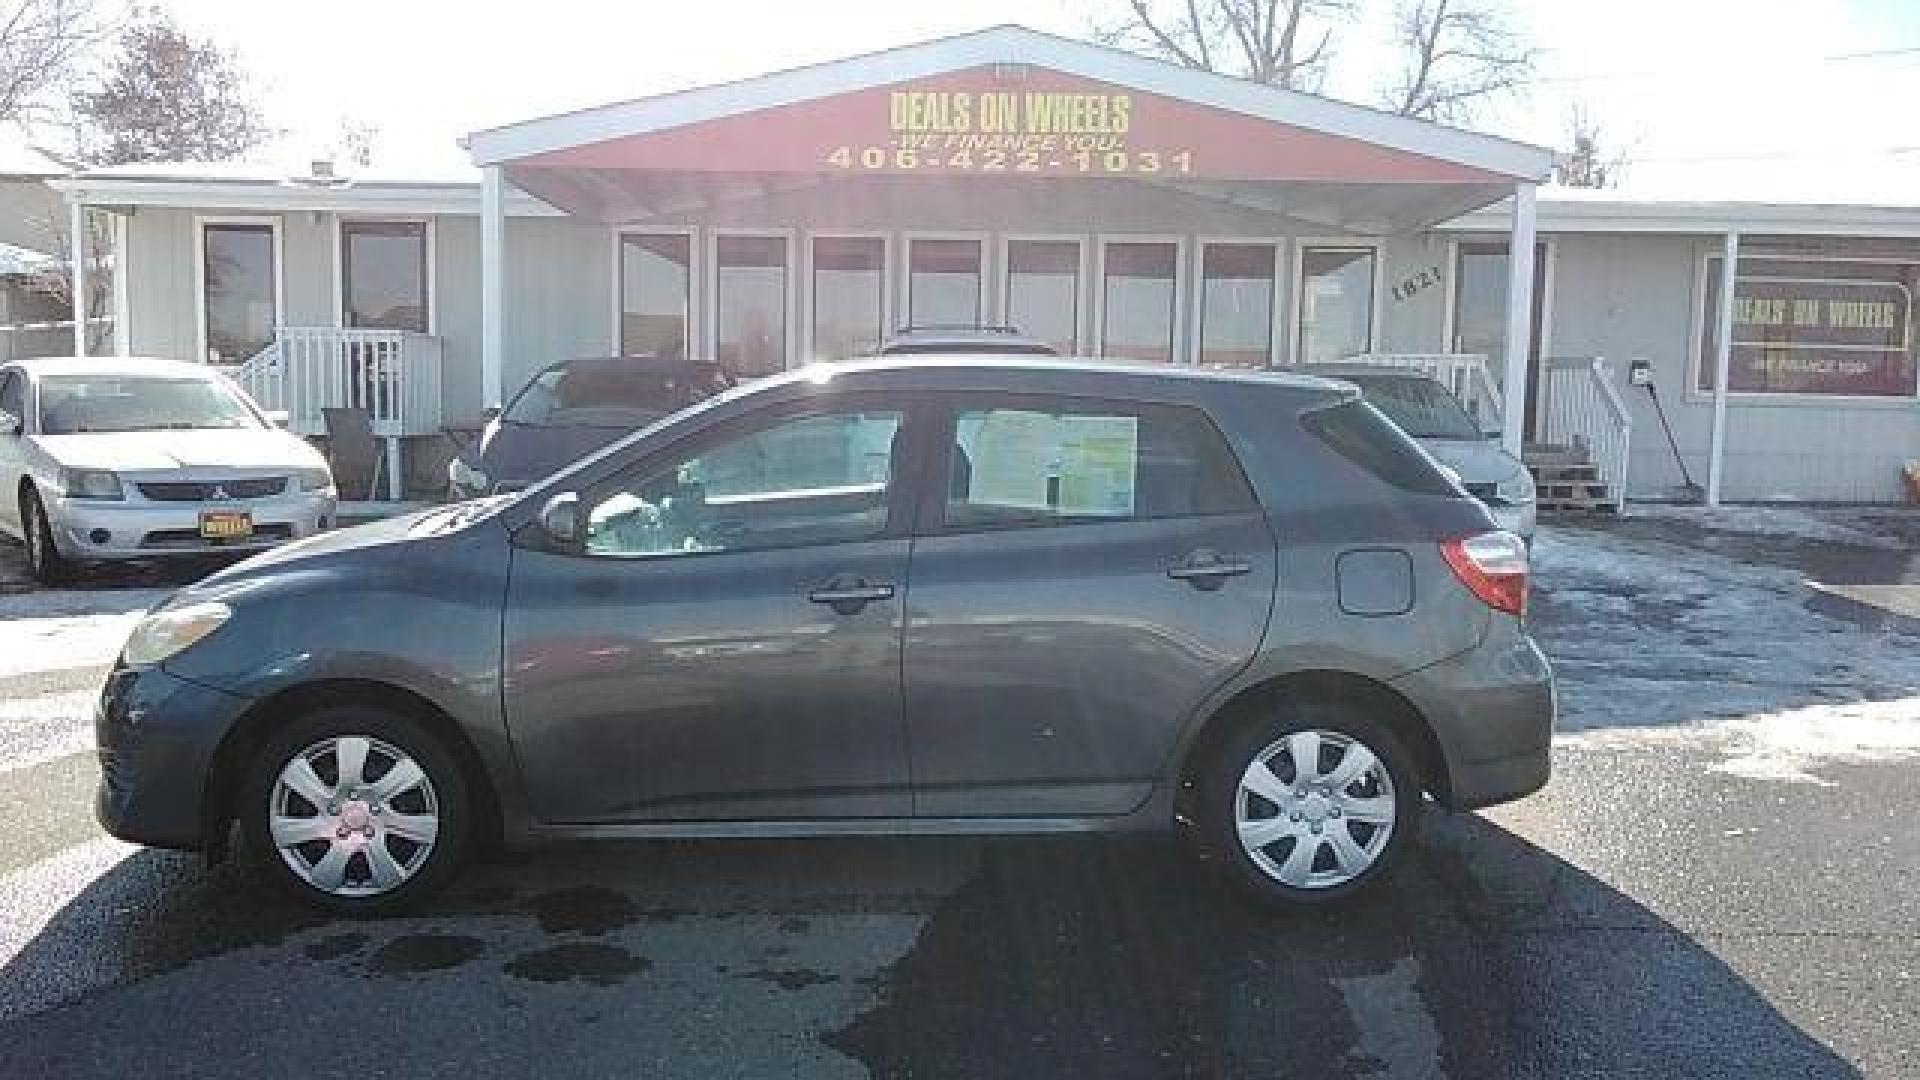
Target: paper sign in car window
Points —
{"points": [[1012, 453], [1097, 455]]}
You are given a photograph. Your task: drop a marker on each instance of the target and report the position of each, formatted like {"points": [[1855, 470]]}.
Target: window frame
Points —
{"points": [[1177, 347], [1276, 299], [983, 306], [1082, 291], [940, 432], [341, 225], [696, 262], [888, 258], [274, 222], [901, 496], [1297, 292], [1696, 330]]}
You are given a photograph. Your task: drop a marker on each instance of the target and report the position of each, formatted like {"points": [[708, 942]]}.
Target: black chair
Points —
{"points": [[353, 451]]}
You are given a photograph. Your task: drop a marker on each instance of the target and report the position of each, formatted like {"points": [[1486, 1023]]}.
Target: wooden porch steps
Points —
{"points": [[1566, 481]]}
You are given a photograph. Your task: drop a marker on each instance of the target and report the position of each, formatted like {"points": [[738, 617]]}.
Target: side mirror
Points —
{"points": [[279, 417], [560, 520], [489, 414]]}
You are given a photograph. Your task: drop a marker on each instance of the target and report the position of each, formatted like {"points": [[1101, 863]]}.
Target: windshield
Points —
{"points": [[579, 394], [78, 403], [1421, 407]]}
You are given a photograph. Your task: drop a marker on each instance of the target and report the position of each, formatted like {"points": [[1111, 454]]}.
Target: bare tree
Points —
{"points": [[1285, 43], [167, 96], [41, 44], [1585, 164], [354, 140], [1457, 54]]}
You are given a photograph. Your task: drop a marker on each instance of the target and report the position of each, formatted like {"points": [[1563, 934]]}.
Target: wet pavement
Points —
{"points": [[1701, 891]]}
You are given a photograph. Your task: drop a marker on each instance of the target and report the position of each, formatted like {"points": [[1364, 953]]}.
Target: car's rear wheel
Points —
{"points": [[358, 810], [49, 567], [1308, 803]]}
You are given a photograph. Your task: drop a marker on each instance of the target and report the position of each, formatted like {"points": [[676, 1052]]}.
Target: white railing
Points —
{"points": [[1583, 409], [393, 374], [1465, 374]]}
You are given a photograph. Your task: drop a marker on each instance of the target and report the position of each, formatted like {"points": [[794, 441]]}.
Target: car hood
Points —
{"points": [[520, 455], [231, 449], [374, 540], [1477, 461]]}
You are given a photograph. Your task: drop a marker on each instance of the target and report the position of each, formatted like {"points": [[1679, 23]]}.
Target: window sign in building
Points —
{"points": [[655, 272], [1812, 326], [849, 294], [750, 304], [1043, 291], [1336, 303], [1137, 305], [1236, 305], [943, 282]]}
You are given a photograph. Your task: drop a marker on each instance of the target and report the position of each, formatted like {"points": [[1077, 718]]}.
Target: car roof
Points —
{"points": [[39, 366]]}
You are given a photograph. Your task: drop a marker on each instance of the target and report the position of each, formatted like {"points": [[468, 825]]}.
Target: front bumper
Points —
{"points": [[1491, 709], [92, 529], [157, 735]]}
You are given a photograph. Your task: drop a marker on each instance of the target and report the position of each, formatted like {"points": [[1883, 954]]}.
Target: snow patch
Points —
{"points": [[1775, 521]]}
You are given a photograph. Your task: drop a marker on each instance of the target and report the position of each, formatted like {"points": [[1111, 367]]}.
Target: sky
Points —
{"points": [[1708, 95]]}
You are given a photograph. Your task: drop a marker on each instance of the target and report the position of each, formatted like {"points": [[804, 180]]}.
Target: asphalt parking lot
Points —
{"points": [[1723, 879]]}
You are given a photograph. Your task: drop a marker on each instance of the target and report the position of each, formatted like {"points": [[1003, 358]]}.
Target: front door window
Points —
{"points": [[1336, 303]]}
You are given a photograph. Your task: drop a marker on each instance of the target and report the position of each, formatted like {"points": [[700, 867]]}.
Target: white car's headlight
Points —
{"points": [[313, 479], [92, 484], [1517, 488], [168, 631]]}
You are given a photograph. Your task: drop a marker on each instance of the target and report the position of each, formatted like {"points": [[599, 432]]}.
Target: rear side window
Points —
{"points": [[1358, 432], [1049, 463]]}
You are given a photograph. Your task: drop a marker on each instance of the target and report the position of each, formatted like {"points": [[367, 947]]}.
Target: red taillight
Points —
{"points": [[1493, 567]]}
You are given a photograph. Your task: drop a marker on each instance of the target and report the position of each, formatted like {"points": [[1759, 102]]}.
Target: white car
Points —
{"points": [[123, 458]]}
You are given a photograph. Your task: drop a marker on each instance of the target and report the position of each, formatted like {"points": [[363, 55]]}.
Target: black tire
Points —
{"points": [[451, 792], [1215, 833], [49, 567]]}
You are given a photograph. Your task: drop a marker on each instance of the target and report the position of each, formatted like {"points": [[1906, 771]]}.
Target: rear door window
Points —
{"points": [[1054, 461]]}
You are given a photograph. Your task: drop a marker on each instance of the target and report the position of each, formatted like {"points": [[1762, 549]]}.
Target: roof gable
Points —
{"points": [[1010, 56]]}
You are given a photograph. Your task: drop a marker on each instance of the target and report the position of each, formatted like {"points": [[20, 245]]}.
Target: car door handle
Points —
{"points": [[1208, 569], [848, 595]]}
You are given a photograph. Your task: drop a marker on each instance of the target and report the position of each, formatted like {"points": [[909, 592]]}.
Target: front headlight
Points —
{"points": [[1517, 488], [91, 484], [168, 631], [313, 479]]}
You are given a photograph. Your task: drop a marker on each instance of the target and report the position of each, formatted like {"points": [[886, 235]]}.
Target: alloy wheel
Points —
{"points": [[353, 816], [1315, 809]]}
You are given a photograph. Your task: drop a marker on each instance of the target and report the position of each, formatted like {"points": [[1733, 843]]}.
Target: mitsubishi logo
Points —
{"points": [[219, 493]]}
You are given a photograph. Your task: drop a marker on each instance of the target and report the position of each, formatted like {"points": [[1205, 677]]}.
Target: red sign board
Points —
{"points": [[1010, 122], [1815, 327]]}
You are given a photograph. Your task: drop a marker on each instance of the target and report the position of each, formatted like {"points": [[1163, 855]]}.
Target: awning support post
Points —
{"points": [[77, 272], [1722, 355], [493, 242], [1519, 345]]}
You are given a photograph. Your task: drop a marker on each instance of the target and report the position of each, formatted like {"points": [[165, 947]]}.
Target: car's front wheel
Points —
{"points": [[43, 555], [1308, 803], [358, 810]]}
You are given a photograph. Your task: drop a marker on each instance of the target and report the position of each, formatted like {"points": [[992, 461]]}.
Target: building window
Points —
{"points": [[1139, 285], [750, 304], [238, 300], [656, 273], [1811, 326], [383, 274], [1336, 302], [1236, 305], [1043, 291], [943, 282], [849, 296]]}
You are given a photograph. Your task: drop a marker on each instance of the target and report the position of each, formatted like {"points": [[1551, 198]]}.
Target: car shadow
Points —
{"points": [[1058, 956]]}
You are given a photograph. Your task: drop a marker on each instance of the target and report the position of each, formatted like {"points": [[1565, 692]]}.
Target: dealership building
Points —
{"points": [[1108, 203]]}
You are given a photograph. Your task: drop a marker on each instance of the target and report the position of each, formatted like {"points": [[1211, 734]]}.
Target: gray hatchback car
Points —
{"points": [[897, 596]]}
